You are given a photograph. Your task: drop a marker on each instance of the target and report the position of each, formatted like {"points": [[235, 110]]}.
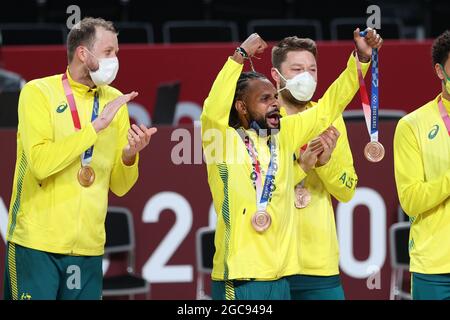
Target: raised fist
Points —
{"points": [[254, 44]]}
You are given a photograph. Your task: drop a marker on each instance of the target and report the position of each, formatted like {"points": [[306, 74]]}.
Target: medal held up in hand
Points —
{"points": [[374, 150]]}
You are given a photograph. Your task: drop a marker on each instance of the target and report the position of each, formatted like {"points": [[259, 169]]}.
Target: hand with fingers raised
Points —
{"points": [[328, 139], [111, 109], [309, 157], [138, 138]]}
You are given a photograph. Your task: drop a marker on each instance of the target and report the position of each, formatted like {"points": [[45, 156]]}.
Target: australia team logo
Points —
{"points": [[433, 132], [62, 107]]}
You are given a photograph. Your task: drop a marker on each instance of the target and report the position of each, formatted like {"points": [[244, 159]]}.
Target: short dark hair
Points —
{"points": [[441, 48], [241, 89], [288, 44], [83, 33]]}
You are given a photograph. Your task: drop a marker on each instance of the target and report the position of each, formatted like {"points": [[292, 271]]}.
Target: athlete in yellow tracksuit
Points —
{"points": [[422, 175], [318, 253], [319, 248], [56, 225], [50, 211], [242, 253]]}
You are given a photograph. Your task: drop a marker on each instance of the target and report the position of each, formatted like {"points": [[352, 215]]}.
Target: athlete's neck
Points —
{"points": [[79, 74], [290, 106], [295, 108], [445, 94]]}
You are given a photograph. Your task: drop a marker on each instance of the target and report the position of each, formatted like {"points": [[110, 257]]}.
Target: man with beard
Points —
{"points": [[331, 173], [256, 236]]}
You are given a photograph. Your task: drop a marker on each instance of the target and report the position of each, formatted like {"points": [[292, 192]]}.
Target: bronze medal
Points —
{"points": [[86, 176], [374, 151], [302, 197], [261, 221]]}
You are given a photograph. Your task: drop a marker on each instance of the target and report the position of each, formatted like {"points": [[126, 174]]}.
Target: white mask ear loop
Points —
{"points": [[280, 74], [91, 53], [279, 90], [98, 62]]}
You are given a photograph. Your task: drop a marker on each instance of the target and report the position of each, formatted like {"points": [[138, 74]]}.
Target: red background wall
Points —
{"points": [[406, 74]]}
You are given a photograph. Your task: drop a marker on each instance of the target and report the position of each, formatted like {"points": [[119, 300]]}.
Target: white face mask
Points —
{"points": [[302, 86], [106, 72]]}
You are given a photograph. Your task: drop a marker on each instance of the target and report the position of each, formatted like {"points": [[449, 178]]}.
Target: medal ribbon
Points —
{"points": [[262, 192], [370, 110], [302, 149], [86, 157], [444, 115]]}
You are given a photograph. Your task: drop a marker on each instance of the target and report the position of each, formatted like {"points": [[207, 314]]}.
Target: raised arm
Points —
{"points": [[304, 126], [216, 108]]}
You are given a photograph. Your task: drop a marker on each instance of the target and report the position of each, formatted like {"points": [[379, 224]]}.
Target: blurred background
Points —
{"points": [[150, 22], [170, 52]]}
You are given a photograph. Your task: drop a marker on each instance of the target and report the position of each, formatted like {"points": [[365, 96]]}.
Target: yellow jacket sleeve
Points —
{"points": [[338, 175], [415, 194], [304, 126], [299, 174], [216, 109], [45, 156], [123, 177]]}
